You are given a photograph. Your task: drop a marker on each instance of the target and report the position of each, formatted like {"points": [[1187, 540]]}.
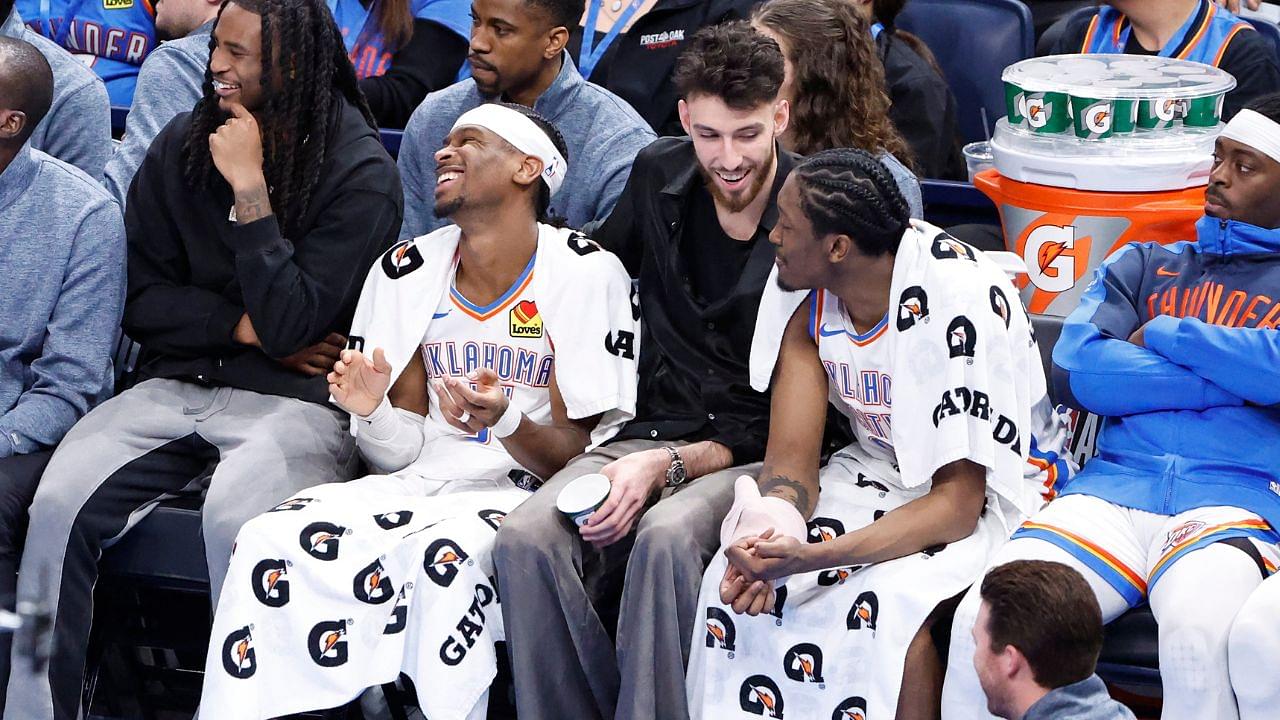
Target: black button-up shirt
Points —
{"points": [[693, 355]]}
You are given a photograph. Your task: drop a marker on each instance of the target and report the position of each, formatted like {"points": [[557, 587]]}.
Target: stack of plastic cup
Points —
{"points": [[1113, 97]]}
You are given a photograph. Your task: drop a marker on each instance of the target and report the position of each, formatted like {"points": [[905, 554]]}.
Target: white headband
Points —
{"points": [[1255, 130], [521, 132]]}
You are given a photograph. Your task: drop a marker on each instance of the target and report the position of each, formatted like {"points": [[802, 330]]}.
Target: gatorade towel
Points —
{"points": [[1062, 235]]}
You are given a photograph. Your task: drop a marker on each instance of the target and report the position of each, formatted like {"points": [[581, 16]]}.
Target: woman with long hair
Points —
{"points": [[403, 49], [835, 85], [833, 82]]}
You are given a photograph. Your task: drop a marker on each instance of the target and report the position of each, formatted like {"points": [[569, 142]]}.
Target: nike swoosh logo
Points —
{"points": [[437, 316], [1162, 272], [824, 332]]}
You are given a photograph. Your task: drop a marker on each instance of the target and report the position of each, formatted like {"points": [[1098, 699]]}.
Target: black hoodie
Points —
{"points": [[193, 272]]}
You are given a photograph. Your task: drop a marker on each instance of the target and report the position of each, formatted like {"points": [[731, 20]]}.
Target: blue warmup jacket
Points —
{"points": [[1191, 420]]}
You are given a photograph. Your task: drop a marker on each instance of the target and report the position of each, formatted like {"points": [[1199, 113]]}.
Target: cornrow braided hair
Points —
{"points": [[314, 76], [846, 191], [543, 205]]}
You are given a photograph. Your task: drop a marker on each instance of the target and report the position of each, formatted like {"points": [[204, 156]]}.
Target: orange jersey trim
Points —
{"points": [[1227, 43], [1110, 560]]}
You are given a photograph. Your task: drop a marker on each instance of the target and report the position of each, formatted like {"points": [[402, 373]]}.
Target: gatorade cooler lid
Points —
{"points": [[1152, 162], [1157, 77]]}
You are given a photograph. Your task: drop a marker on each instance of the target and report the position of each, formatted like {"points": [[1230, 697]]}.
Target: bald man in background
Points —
{"points": [[62, 270]]}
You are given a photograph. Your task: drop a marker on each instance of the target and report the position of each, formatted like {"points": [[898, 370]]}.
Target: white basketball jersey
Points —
{"points": [[506, 336], [859, 372]]}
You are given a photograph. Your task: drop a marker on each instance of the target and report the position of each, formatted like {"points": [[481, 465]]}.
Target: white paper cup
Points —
{"points": [[583, 496]]}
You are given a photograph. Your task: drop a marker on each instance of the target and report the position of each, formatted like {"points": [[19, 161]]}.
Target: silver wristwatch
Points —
{"points": [[676, 474]]}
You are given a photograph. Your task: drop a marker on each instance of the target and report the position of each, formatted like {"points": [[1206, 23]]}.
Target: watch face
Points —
{"points": [[676, 474]]}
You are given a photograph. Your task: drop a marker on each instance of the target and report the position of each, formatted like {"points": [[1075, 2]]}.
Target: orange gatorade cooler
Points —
{"points": [[1069, 198], [1063, 234]]}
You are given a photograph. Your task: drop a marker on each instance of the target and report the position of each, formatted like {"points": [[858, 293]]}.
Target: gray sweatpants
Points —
{"points": [[243, 451], [555, 587]]}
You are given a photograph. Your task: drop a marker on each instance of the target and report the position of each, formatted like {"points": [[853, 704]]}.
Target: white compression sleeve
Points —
{"points": [[390, 438]]}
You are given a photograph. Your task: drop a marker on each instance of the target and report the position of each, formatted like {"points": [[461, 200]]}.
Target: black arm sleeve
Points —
{"points": [[429, 61], [1252, 61]]}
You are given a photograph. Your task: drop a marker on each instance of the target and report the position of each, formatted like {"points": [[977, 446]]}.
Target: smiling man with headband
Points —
{"points": [[1176, 346], [457, 394], [517, 55]]}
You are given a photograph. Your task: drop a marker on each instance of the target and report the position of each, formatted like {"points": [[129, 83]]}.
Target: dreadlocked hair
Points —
{"points": [[840, 96], [303, 50], [847, 191], [543, 204]]}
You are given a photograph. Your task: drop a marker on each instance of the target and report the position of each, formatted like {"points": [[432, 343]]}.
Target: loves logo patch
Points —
{"points": [[525, 320]]}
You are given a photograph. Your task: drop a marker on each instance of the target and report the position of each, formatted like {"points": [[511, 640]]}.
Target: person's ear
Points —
{"points": [[12, 123], [781, 117], [841, 246], [682, 109], [528, 172], [557, 40], [1012, 662]]}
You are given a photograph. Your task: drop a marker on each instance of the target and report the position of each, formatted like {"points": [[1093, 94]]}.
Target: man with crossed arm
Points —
{"points": [[1176, 346]]}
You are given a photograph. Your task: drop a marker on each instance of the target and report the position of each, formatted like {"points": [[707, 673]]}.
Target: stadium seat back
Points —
{"points": [[974, 40], [1047, 329]]}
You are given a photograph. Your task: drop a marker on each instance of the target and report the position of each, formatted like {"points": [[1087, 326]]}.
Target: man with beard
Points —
{"points": [[1176, 347], [692, 226], [482, 368], [77, 128], [518, 55], [919, 342], [168, 83]]}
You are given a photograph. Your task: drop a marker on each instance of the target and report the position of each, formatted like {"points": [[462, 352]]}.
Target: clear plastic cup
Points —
{"points": [[978, 157]]}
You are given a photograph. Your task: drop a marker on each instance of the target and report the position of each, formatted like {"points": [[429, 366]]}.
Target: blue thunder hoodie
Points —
{"points": [[1192, 419]]}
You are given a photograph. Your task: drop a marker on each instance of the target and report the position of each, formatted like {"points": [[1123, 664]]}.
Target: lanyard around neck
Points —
{"points": [[590, 54]]}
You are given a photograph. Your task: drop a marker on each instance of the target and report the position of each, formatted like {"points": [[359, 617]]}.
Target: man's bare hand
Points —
{"points": [[1139, 336], [634, 478], [1234, 5], [768, 557], [742, 594], [472, 409], [358, 383], [317, 359]]}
